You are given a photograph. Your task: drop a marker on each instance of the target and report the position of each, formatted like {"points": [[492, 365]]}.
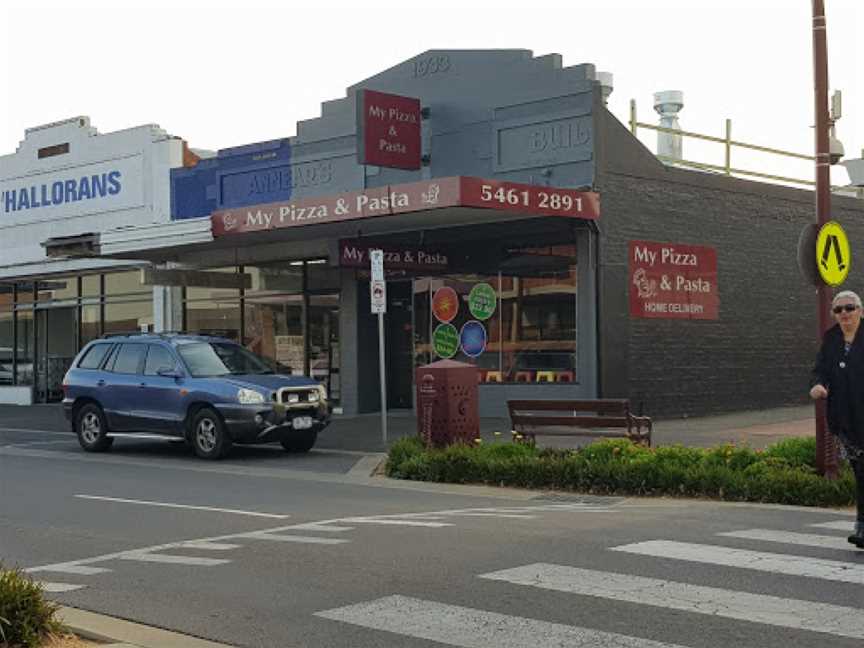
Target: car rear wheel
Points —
{"points": [[300, 441], [91, 429], [209, 437]]}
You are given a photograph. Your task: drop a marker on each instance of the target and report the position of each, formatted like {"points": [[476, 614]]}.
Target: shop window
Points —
{"points": [[123, 284], [7, 342], [321, 277], [91, 286], [518, 325], [128, 317], [26, 353], [323, 332], [64, 289], [274, 330], [90, 323], [203, 293], [219, 318]]}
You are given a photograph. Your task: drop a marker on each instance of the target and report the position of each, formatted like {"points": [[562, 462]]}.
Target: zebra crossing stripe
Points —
{"points": [[470, 628], [278, 537], [169, 559], [742, 606], [56, 588], [208, 546], [839, 525], [69, 568], [832, 570], [394, 522], [788, 537]]}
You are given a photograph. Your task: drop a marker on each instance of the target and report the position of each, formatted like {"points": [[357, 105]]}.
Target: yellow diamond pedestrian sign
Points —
{"points": [[833, 256]]}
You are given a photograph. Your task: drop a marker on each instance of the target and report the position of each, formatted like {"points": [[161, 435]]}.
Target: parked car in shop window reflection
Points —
{"points": [[208, 391]]}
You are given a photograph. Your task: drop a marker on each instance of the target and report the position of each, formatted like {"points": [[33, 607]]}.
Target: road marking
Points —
{"points": [[742, 606], [394, 522], [832, 570], [27, 431], [69, 568], [839, 525], [55, 588], [278, 537], [511, 516], [209, 546], [169, 559], [470, 628], [320, 526], [182, 506], [788, 537]]}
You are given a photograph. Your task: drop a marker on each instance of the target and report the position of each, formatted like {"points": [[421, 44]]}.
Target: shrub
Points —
{"points": [[25, 616], [797, 452], [784, 473]]}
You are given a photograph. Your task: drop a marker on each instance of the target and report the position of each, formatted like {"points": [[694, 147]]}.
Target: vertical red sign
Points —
{"points": [[388, 130], [673, 281]]}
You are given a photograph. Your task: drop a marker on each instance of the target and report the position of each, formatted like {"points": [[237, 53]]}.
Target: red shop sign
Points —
{"points": [[388, 130], [673, 281], [390, 200], [355, 254]]}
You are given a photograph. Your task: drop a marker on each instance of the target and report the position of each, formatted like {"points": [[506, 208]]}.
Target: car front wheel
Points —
{"points": [[209, 437], [300, 441], [91, 429]]}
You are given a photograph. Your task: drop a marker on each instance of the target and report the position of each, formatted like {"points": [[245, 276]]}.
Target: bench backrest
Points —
{"points": [[606, 412]]}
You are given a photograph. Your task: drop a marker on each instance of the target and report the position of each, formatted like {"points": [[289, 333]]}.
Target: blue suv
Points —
{"points": [[207, 390]]}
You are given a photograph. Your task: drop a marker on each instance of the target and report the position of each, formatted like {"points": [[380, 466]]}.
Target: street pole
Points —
{"points": [[382, 364], [826, 450]]}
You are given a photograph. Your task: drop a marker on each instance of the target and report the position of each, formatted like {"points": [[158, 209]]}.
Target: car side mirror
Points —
{"points": [[169, 372]]}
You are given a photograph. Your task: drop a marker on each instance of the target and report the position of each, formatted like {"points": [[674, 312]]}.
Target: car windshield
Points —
{"points": [[222, 359]]}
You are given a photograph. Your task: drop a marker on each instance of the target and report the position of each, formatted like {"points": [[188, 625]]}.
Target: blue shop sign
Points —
{"points": [[61, 192]]}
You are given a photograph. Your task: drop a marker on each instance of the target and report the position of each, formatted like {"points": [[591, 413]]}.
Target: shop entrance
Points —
{"points": [[56, 345], [399, 332]]}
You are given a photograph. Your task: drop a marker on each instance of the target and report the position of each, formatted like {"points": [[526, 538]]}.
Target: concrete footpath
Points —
{"points": [[362, 433], [117, 633]]}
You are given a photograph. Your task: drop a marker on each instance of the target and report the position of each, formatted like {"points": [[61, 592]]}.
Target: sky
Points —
{"points": [[222, 73]]}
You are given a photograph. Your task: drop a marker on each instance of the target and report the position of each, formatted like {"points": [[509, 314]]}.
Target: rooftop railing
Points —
{"points": [[728, 144]]}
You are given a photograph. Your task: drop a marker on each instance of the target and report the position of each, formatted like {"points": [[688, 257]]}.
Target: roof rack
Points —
{"points": [[141, 334]]}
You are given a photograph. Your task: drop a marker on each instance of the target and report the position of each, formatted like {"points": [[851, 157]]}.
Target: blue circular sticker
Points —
{"points": [[473, 338]]}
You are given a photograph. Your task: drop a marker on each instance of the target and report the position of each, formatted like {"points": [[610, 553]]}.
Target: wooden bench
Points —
{"points": [[606, 417]]}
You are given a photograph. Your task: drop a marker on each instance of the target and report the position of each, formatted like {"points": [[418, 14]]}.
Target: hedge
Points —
{"points": [[784, 473], [26, 617]]}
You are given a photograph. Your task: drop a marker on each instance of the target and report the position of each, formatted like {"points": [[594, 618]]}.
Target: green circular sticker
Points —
{"points": [[482, 301], [445, 340]]}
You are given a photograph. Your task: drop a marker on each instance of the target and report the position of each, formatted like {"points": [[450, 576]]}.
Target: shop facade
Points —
{"points": [[66, 184], [535, 238]]}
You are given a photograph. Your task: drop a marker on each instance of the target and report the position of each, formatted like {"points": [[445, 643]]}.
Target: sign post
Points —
{"points": [[826, 449], [378, 289]]}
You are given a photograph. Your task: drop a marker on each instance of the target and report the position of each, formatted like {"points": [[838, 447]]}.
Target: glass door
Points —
{"points": [[56, 346], [323, 337]]}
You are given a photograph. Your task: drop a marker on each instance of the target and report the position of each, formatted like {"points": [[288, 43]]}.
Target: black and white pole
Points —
{"points": [[378, 288]]}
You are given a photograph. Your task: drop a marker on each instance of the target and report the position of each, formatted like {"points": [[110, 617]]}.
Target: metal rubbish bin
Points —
{"points": [[447, 406]]}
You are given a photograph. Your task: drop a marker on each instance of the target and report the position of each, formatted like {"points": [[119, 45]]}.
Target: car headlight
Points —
{"points": [[250, 397], [313, 396], [294, 397]]}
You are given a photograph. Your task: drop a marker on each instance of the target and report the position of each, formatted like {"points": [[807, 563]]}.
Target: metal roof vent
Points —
{"points": [[606, 85], [668, 104]]}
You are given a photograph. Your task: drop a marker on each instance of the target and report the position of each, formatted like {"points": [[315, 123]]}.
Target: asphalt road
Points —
{"points": [[271, 550]]}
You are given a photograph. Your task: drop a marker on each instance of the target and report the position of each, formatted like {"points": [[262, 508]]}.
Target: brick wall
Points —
{"points": [[759, 352]]}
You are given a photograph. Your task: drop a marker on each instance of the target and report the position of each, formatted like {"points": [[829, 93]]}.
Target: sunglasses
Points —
{"points": [[849, 308]]}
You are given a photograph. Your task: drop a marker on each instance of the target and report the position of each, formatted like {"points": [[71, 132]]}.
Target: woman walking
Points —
{"points": [[839, 377]]}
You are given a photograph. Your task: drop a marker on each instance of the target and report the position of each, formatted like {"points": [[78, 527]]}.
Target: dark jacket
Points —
{"points": [[843, 377]]}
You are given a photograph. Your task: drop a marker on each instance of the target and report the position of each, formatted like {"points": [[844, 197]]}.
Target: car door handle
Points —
{"points": [[143, 385], [100, 383]]}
